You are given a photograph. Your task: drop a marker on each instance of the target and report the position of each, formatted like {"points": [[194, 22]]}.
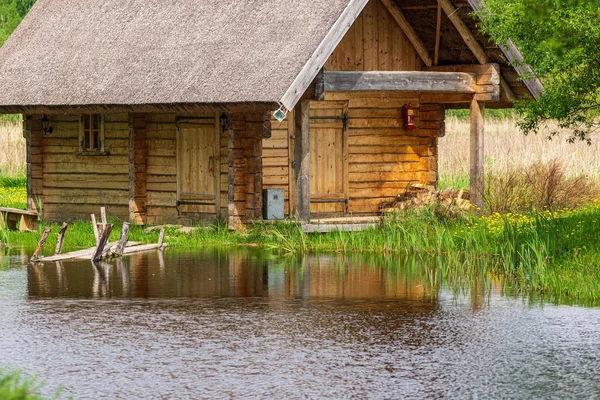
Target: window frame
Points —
{"points": [[96, 151]]}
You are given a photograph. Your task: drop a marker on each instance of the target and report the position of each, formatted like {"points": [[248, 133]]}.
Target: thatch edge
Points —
{"points": [[318, 59]]}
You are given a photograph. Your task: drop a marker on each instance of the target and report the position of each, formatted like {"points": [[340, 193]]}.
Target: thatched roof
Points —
{"points": [[110, 52], [152, 54]]}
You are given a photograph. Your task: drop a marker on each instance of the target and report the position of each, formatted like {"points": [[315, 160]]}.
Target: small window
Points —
{"points": [[91, 133]]}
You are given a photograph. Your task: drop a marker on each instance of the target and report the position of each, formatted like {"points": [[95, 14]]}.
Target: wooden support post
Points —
{"points": [[123, 239], [40, 246], [477, 153], [103, 242], [103, 217], [61, 238], [138, 152], [302, 159], [161, 238], [95, 228], [230, 176]]}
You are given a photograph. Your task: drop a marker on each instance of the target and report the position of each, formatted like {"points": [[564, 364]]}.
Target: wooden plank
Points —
{"points": [[408, 30], [322, 53], [302, 160], [404, 81], [477, 153]]}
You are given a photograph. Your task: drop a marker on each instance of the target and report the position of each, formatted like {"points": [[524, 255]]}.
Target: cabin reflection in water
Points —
{"points": [[177, 274]]}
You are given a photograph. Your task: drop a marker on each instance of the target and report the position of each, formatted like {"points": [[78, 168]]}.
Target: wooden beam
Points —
{"points": [[472, 42], [408, 30], [438, 38], [477, 153], [514, 56], [302, 159], [403, 81], [487, 77], [322, 53]]}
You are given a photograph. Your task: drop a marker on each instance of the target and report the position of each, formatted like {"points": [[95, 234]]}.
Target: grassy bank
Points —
{"points": [[550, 253], [539, 234]]}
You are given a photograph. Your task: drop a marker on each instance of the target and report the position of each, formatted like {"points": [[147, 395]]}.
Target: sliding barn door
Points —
{"points": [[328, 160], [198, 166]]}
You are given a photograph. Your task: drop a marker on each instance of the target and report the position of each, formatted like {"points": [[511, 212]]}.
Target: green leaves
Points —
{"points": [[560, 39]]}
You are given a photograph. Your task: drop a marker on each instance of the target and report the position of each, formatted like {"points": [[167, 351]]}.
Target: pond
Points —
{"points": [[248, 324]]}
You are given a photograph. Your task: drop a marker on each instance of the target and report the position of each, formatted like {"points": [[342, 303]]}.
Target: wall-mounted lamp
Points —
{"points": [[224, 122], [46, 125]]}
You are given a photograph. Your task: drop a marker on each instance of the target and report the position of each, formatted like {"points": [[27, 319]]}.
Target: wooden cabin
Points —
{"points": [[164, 111]]}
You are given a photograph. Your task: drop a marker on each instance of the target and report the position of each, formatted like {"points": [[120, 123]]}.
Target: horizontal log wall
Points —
{"points": [[276, 159], [74, 186], [247, 164], [161, 169], [383, 157]]}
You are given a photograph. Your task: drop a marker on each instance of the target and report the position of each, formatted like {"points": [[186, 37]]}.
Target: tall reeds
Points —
{"points": [[506, 148], [12, 148]]}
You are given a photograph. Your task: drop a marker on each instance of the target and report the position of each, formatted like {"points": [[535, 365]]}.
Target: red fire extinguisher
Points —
{"points": [[408, 114]]}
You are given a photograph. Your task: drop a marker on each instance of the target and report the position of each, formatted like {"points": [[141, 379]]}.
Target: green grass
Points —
{"points": [[13, 192], [13, 386], [554, 254]]}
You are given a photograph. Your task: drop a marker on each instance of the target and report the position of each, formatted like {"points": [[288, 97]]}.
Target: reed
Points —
{"points": [[506, 148], [12, 151]]}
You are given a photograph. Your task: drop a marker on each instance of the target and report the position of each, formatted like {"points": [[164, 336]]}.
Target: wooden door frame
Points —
{"points": [[216, 157], [344, 104]]}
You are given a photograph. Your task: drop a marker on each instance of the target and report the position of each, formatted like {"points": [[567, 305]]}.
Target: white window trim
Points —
{"points": [[101, 150]]}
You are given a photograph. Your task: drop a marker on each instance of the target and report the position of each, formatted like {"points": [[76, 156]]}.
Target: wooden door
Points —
{"points": [[198, 166], [328, 160]]}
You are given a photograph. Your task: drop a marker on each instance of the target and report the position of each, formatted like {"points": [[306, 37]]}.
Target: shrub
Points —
{"points": [[539, 186]]}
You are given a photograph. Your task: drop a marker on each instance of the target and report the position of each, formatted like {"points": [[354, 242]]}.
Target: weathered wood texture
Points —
{"points": [[69, 185], [137, 178], [302, 162], [477, 152], [375, 42], [406, 81], [162, 179], [247, 166], [379, 158], [32, 131], [137, 168]]}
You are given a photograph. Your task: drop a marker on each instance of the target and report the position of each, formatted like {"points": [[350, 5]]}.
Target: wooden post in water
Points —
{"points": [[477, 153], [102, 244], [40, 246], [161, 237], [95, 228], [61, 238], [103, 217], [302, 159], [123, 239]]}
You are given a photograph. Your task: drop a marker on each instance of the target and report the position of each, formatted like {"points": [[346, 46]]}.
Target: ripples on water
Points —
{"points": [[246, 325]]}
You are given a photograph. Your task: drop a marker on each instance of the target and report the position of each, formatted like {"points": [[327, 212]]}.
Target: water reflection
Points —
{"points": [[214, 273], [246, 324]]}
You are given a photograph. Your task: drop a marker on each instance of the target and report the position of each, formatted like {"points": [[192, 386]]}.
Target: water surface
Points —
{"points": [[244, 324]]}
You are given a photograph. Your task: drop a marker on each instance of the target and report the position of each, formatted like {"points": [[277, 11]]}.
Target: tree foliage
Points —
{"points": [[11, 14], [560, 39]]}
